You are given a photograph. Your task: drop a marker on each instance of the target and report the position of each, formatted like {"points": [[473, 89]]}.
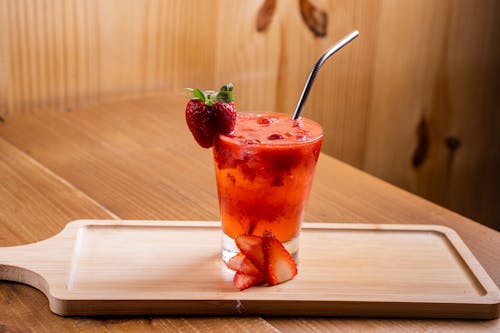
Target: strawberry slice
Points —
{"points": [[253, 248], [235, 262], [279, 264], [242, 264], [262, 259], [243, 281]]}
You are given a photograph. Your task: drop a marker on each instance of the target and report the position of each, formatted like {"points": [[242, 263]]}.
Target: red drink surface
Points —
{"points": [[264, 172]]}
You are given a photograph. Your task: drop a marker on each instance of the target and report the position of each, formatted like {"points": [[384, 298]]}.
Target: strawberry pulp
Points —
{"points": [[264, 171]]}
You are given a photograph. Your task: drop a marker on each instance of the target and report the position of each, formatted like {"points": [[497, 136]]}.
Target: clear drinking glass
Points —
{"points": [[264, 171]]}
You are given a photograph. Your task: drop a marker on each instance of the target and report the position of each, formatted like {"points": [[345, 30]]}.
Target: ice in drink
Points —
{"points": [[264, 171]]}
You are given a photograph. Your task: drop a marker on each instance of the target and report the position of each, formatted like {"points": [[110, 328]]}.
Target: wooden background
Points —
{"points": [[415, 100]]}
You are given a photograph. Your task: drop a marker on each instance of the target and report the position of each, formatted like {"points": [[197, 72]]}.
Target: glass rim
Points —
{"points": [[273, 143]]}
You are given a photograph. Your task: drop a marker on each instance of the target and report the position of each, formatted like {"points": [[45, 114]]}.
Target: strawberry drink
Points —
{"points": [[264, 165], [264, 171]]}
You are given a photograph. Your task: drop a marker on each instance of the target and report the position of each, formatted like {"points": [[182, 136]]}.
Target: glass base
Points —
{"points": [[229, 248]]}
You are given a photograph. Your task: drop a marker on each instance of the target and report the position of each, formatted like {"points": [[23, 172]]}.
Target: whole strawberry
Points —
{"points": [[209, 113]]}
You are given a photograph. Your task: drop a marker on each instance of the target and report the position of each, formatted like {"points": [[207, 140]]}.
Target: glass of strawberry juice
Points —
{"points": [[264, 171]]}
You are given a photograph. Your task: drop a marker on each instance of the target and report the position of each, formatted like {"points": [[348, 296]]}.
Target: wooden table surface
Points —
{"points": [[135, 159]]}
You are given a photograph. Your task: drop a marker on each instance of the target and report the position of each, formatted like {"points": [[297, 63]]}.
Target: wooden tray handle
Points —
{"points": [[25, 264]]}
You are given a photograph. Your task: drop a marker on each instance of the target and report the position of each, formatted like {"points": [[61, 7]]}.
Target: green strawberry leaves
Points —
{"points": [[209, 97], [198, 94], [225, 94]]}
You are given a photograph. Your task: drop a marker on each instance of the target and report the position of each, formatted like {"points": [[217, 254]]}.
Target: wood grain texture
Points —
{"points": [[447, 75], [40, 202], [346, 270], [74, 53], [142, 148], [111, 139], [414, 61], [381, 325], [338, 99], [36, 204]]}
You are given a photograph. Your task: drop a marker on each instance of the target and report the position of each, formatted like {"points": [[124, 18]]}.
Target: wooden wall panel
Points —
{"points": [[178, 46], [474, 79], [269, 68], [246, 57], [434, 118], [4, 105], [340, 97], [70, 53], [422, 75], [406, 66]]}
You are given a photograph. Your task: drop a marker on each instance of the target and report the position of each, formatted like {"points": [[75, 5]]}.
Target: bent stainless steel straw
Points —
{"points": [[317, 66]]}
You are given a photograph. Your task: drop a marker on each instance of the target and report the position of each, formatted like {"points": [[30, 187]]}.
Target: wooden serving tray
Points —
{"points": [[97, 267]]}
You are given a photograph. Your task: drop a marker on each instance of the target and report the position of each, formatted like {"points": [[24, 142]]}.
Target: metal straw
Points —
{"points": [[316, 68]]}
